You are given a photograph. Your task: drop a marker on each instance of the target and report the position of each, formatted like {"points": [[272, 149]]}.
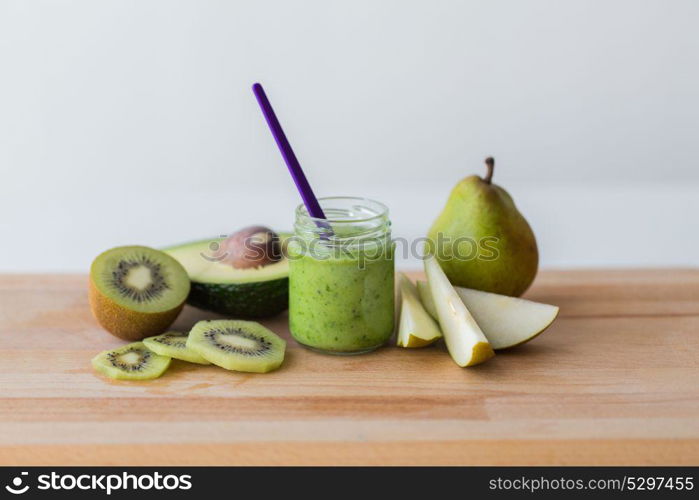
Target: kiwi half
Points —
{"points": [[244, 346], [136, 292], [131, 362], [174, 345]]}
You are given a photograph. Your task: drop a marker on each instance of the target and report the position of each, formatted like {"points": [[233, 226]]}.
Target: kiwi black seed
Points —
{"points": [[116, 279], [137, 291], [131, 362], [174, 345], [238, 345]]}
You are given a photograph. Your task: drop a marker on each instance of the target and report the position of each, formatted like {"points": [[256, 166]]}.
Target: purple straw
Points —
{"points": [[309, 199]]}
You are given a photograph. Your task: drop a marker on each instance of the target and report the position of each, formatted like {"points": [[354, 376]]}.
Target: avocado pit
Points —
{"points": [[252, 246]]}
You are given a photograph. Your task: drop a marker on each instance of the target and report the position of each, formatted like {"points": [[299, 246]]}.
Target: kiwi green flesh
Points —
{"points": [[174, 345], [140, 279], [238, 345], [131, 362], [203, 263]]}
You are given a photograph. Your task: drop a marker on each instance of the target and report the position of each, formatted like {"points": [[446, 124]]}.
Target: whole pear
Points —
{"points": [[482, 241]]}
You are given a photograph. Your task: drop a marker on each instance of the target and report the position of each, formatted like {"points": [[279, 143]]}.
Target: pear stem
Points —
{"points": [[490, 163]]}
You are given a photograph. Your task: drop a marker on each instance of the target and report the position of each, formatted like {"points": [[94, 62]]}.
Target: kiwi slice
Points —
{"points": [[174, 345], [136, 292], [244, 346], [131, 362]]}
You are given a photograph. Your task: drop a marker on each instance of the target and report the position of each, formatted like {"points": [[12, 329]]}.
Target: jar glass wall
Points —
{"points": [[341, 277]]}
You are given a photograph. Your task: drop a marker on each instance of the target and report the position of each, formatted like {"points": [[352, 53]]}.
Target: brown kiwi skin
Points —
{"points": [[125, 323]]}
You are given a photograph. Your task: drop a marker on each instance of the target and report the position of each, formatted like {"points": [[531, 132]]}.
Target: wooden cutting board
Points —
{"points": [[615, 380]]}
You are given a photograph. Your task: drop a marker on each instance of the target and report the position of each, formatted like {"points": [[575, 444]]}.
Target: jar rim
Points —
{"points": [[301, 210]]}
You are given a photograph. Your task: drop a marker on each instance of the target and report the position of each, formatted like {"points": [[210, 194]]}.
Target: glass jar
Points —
{"points": [[341, 279]]}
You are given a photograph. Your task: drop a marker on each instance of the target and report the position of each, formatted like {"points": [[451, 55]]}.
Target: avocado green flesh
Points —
{"points": [[203, 266], [246, 293]]}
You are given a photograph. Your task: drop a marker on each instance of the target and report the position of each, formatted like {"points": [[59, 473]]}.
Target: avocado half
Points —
{"points": [[243, 293]]}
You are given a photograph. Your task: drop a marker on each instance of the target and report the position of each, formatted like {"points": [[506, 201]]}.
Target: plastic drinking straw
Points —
{"points": [[304, 188]]}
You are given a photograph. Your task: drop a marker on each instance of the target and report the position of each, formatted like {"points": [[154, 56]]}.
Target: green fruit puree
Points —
{"points": [[342, 303]]}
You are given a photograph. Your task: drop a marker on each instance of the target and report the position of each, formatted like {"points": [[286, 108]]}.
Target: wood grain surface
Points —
{"points": [[615, 380]]}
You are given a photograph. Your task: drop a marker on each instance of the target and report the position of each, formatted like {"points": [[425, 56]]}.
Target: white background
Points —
{"points": [[132, 122]]}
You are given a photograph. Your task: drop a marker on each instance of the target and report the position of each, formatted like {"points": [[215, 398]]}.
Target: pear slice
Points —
{"points": [[506, 321], [416, 327], [426, 298], [464, 338]]}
